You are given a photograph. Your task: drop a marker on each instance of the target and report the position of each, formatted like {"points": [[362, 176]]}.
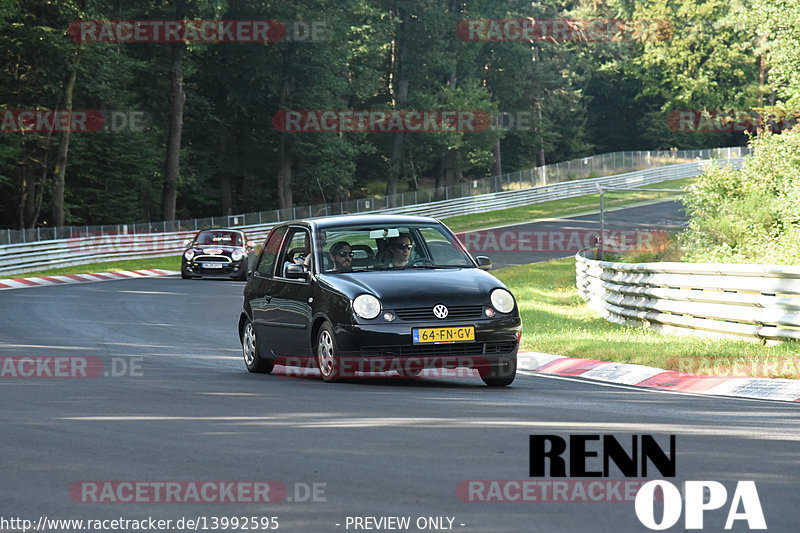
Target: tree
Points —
{"points": [[707, 61], [778, 22], [176, 101]]}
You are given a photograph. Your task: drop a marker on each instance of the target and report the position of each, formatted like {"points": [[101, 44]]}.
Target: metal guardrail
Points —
{"points": [[752, 302], [569, 189], [21, 258], [585, 167], [28, 257]]}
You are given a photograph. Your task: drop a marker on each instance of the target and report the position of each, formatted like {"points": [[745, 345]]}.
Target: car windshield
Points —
{"points": [[220, 238], [389, 247]]}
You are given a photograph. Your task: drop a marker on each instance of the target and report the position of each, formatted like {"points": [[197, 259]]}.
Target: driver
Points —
{"points": [[400, 247], [342, 256]]}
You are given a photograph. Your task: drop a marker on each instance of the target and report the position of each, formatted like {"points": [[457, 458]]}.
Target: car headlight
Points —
{"points": [[502, 300], [188, 254], [367, 306], [237, 255]]}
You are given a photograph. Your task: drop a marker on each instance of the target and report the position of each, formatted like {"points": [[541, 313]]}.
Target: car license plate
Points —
{"points": [[212, 265], [443, 335]]}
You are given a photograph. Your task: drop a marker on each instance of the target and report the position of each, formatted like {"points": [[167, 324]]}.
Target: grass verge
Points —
{"points": [[556, 320]]}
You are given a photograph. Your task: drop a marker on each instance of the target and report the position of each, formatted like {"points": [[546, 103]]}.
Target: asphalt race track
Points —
{"points": [[173, 403], [532, 242]]}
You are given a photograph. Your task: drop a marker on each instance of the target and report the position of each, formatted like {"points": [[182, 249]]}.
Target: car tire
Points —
{"points": [[501, 376], [184, 271], [243, 274], [327, 354], [252, 358]]}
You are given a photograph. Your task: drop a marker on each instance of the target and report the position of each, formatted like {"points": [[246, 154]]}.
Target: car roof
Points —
{"points": [[219, 230], [357, 220]]}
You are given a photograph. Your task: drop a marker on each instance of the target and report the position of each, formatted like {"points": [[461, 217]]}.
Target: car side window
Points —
{"points": [[443, 252], [266, 266], [296, 249]]}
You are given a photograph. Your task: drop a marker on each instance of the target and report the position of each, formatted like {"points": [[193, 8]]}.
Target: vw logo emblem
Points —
{"points": [[440, 311]]}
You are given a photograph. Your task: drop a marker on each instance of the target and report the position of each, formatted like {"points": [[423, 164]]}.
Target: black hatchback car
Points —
{"points": [[218, 253], [374, 293]]}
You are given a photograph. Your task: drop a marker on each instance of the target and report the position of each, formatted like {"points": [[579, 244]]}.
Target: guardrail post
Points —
{"points": [[602, 219]]}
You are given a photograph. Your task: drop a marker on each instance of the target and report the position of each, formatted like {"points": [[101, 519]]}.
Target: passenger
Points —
{"points": [[400, 247]]}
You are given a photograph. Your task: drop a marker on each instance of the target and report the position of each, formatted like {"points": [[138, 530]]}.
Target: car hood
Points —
{"points": [[403, 288], [220, 250]]}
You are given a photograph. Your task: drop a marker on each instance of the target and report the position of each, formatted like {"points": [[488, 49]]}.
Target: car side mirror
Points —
{"points": [[484, 263], [251, 244], [187, 242], [296, 272]]}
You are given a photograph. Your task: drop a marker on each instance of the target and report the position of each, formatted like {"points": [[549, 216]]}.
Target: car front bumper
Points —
{"points": [[231, 269], [380, 345]]}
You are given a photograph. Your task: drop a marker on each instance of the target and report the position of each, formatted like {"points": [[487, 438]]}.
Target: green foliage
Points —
{"points": [[706, 60], [751, 215], [576, 97], [777, 22]]}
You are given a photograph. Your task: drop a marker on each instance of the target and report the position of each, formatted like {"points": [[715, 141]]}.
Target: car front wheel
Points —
{"points": [[252, 359], [501, 375], [327, 356], [185, 274], [242, 276]]}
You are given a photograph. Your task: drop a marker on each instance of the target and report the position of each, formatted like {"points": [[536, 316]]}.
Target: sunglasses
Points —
{"points": [[404, 246], [345, 254]]}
